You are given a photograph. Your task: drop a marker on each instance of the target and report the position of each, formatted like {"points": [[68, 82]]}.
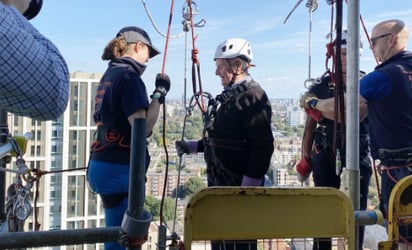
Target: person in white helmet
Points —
{"points": [[318, 155], [238, 142]]}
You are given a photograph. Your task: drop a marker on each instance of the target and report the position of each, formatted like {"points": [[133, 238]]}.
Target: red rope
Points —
{"points": [[164, 115], [195, 62], [368, 38], [167, 37]]}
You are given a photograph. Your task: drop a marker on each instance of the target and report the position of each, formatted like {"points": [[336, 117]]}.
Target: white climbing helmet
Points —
{"points": [[234, 47], [344, 44]]}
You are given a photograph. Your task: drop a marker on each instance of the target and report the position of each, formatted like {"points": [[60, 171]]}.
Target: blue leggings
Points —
{"points": [[107, 179], [114, 217]]}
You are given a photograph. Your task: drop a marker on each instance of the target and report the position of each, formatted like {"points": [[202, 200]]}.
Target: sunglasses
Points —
{"points": [[376, 38]]}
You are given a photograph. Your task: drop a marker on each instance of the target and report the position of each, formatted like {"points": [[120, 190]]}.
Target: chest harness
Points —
{"points": [[217, 173], [108, 136]]}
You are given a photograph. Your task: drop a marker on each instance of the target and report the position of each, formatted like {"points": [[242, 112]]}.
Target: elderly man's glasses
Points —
{"points": [[376, 38]]}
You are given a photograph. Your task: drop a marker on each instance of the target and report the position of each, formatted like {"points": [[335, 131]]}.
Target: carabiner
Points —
{"points": [[312, 5], [188, 10]]}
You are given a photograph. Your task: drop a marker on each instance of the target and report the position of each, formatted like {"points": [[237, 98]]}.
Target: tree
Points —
{"points": [[152, 204], [168, 209], [193, 185]]}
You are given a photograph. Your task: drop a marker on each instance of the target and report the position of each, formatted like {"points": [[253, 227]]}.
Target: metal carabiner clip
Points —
{"points": [[188, 10], [312, 5]]}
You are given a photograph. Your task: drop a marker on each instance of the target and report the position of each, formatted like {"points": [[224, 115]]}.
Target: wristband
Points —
{"points": [[158, 96]]}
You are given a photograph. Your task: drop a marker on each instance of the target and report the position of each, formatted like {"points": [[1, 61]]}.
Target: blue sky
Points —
{"points": [[82, 28]]}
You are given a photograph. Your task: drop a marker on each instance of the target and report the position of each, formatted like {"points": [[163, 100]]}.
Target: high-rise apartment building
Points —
{"points": [[61, 149]]}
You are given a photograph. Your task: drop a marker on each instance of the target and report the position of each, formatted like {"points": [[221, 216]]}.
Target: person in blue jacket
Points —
{"points": [[387, 92]]}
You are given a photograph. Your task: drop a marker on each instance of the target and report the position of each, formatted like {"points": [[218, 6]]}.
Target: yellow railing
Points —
{"points": [[399, 212], [236, 213]]}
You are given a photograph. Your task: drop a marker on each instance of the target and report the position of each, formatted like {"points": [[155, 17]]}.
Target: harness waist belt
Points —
{"points": [[228, 144], [402, 154]]}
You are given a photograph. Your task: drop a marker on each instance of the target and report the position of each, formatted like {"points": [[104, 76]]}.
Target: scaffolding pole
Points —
{"points": [[135, 222], [58, 237]]}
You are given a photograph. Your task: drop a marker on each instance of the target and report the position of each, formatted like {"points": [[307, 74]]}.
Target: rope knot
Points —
{"points": [[194, 55], [330, 52]]}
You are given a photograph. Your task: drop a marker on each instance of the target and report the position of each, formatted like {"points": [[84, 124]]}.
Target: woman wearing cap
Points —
{"points": [[121, 97], [239, 142]]}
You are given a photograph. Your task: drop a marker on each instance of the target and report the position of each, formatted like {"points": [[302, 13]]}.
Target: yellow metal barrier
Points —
{"points": [[399, 211], [236, 213]]}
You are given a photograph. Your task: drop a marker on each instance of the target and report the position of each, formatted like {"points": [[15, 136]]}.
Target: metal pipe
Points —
{"points": [[58, 237], [352, 98], [368, 217], [136, 221], [137, 169], [352, 106]]}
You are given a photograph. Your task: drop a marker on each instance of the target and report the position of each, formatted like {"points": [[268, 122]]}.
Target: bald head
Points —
{"points": [[395, 27]]}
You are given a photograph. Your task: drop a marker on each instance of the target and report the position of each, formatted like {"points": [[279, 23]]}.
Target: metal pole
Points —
{"points": [[352, 107], [136, 221], [137, 169], [58, 237]]}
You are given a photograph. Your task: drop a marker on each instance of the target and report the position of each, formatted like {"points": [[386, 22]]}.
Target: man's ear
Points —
{"points": [[237, 66]]}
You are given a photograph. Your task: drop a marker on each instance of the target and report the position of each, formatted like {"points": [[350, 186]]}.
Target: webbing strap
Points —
{"points": [[234, 91]]}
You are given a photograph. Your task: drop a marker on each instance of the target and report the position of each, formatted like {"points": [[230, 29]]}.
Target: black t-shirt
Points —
{"points": [[245, 121], [121, 92], [325, 131]]}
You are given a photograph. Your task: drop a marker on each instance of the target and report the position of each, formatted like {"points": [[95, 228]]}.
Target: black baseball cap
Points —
{"points": [[133, 34]]}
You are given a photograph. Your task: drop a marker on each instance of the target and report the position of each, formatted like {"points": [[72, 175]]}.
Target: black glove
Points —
{"points": [[162, 84]]}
